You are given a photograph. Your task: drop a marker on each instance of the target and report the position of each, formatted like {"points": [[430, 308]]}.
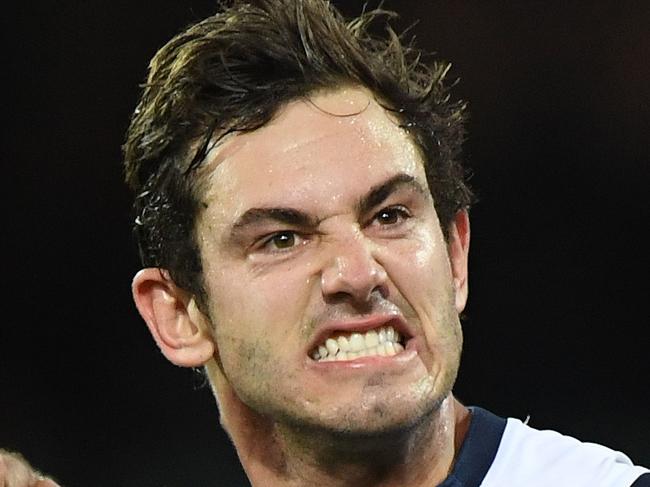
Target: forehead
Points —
{"points": [[322, 149]]}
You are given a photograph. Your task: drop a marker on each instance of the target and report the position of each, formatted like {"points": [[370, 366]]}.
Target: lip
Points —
{"points": [[361, 325]]}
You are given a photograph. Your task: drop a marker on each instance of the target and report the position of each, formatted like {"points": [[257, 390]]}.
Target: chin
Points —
{"points": [[369, 418]]}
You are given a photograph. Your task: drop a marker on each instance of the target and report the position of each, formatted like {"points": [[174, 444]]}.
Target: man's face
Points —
{"points": [[320, 237]]}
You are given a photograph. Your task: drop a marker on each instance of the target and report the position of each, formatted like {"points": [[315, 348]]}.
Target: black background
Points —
{"points": [[557, 319]]}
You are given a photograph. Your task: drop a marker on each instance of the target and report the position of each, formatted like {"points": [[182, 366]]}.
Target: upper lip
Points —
{"points": [[361, 325]]}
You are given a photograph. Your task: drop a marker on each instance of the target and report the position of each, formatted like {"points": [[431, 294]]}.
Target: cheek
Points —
{"points": [[247, 306], [249, 366], [230, 287], [426, 285], [420, 269]]}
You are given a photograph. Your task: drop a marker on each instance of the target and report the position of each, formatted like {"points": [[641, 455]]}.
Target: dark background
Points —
{"points": [[557, 319]]}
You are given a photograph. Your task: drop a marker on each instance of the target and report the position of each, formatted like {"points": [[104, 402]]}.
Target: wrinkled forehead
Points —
{"points": [[330, 138]]}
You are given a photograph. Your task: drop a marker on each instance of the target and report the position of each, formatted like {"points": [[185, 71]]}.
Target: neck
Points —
{"points": [[275, 454]]}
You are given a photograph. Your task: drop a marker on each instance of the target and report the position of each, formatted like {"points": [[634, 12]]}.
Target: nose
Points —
{"points": [[353, 273]]}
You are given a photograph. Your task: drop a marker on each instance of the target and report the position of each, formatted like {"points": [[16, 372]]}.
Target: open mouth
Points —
{"points": [[380, 342]]}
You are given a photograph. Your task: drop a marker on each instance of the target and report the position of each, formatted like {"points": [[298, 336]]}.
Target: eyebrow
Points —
{"points": [[291, 216], [380, 192]]}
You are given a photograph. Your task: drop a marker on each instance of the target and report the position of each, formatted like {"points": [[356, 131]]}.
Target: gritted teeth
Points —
{"points": [[384, 341]]}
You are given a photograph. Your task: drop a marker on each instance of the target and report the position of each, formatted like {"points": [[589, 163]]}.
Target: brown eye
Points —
{"points": [[283, 240], [390, 216], [386, 217]]}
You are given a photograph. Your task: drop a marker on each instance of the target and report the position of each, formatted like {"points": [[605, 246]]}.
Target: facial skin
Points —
{"points": [[317, 224], [274, 285]]}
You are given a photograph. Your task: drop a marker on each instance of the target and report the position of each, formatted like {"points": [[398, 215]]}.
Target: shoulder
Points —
{"points": [[535, 458]]}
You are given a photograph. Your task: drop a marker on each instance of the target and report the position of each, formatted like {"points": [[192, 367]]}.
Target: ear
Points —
{"points": [[458, 248], [181, 331]]}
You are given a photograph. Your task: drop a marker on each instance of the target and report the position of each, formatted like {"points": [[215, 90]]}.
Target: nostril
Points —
{"points": [[338, 297], [382, 290]]}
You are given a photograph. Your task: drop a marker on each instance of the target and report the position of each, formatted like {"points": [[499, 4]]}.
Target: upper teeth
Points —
{"points": [[384, 341]]}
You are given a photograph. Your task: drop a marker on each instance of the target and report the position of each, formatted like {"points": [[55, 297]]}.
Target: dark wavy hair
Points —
{"points": [[234, 70]]}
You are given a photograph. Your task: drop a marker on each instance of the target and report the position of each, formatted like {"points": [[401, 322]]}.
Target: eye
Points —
{"points": [[281, 240], [392, 215]]}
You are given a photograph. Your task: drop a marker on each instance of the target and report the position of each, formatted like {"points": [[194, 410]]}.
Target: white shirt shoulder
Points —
{"points": [[533, 458]]}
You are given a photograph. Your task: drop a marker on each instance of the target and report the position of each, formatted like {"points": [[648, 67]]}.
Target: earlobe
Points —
{"points": [[181, 331], [458, 247]]}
